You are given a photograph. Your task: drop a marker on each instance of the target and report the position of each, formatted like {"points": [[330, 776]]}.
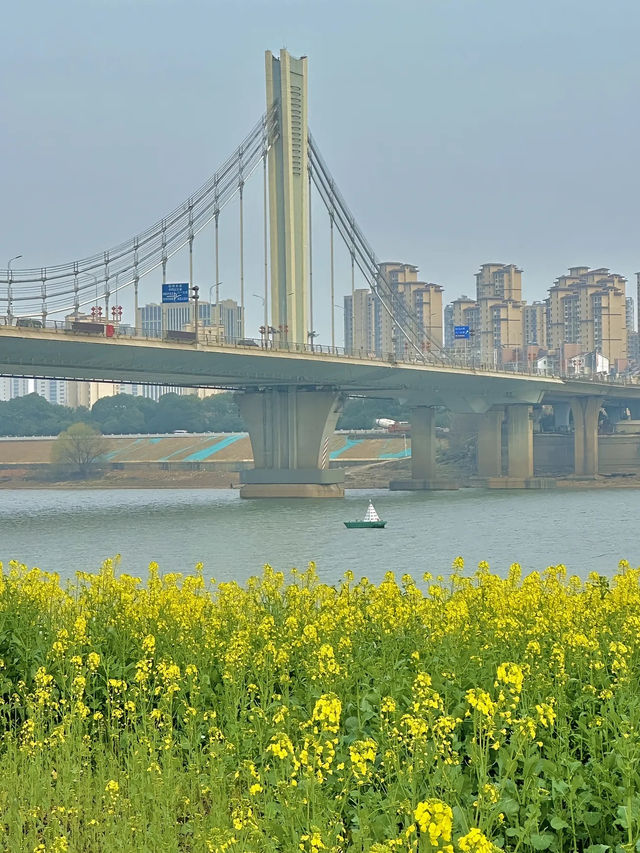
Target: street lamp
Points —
{"points": [[9, 288], [264, 307], [217, 287]]}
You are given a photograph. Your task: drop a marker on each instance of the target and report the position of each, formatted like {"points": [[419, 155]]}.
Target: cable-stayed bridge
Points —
{"points": [[293, 383]]}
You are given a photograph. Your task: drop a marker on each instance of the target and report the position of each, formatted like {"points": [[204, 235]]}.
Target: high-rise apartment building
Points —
{"points": [[534, 318], [495, 317], [14, 386], [499, 299], [422, 299], [359, 322], [53, 390], [369, 324], [588, 308], [630, 319], [465, 312]]}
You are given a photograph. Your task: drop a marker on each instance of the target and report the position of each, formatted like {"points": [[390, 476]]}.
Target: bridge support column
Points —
{"points": [[423, 454], [290, 431], [489, 446], [585, 412], [519, 442], [561, 416], [519, 450]]}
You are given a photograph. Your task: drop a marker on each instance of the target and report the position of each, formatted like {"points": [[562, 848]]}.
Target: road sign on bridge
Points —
{"points": [[176, 292]]}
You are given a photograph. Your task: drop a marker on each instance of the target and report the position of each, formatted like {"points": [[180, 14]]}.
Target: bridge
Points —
{"points": [[292, 386]]}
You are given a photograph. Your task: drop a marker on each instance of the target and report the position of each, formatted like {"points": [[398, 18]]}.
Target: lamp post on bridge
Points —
{"points": [[218, 315], [264, 308], [195, 293], [9, 288]]}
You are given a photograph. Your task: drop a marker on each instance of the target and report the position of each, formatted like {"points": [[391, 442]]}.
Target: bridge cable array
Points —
{"points": [[70, 286], [67, 287], [404, 319]]}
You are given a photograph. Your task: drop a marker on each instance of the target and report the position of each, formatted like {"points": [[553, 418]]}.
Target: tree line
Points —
{"points": [[124, 414]]}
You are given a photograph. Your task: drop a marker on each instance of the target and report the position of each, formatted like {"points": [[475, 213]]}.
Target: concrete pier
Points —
{"points": [[290, 430], [585, 411], [423, 454], [489, 443]]}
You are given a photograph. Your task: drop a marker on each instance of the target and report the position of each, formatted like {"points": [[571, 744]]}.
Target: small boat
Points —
{"points": [[371, 519]]}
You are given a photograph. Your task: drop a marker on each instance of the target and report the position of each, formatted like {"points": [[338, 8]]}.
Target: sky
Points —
{"points": [[460, 132]]}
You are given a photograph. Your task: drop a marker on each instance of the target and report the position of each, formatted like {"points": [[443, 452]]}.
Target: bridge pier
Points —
{"points": [[489, 443], [519, 447], [585, 411], [519, 442], [423, 454], [290, 430], [561, 411]]}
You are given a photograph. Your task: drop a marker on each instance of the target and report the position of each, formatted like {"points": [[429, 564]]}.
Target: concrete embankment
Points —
{"points": [[370, 460], [211, 460]]}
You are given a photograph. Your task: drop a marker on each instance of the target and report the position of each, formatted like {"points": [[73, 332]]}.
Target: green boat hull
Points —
{"points": [[356, 524]]}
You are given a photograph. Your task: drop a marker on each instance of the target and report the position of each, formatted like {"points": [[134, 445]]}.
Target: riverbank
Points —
{"points": [[374, 475], [369, 476]]}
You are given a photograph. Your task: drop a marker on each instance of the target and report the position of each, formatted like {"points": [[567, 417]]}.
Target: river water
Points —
{"points": [[67, 531]]}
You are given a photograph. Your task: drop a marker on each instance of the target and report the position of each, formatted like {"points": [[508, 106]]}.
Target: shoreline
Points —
{"points": [[374, 476]]}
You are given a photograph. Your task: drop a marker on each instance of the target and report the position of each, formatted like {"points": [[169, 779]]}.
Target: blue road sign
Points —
{"points": [[461, 332], [175, 292]]}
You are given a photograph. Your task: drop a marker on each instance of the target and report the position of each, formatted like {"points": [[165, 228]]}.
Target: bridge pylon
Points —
{"points": [[290, 427], [289, 196]]}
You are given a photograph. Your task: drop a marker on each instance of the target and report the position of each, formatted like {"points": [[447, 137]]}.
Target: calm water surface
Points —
{"points": [[66, 531]]}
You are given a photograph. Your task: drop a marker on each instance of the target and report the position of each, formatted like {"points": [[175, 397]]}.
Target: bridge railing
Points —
{"points": [[272, 344]]}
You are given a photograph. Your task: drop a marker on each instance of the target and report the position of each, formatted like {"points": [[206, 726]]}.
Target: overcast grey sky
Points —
{"points": [[459, 131]]}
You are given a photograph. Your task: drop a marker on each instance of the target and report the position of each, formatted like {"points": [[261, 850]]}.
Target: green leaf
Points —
{"points": [[597, 848], [351, 724], [542, 840], [559, 823], [509, 806], [559, 787]]}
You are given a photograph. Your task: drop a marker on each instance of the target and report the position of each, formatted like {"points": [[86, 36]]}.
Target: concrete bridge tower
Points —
{"points": [[290, 427], [289, 196]]}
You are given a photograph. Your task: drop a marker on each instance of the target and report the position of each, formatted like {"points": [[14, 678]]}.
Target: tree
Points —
{"points": [[221, 413], [123, 413], [178, 412], [33, 415], [79, 447]]}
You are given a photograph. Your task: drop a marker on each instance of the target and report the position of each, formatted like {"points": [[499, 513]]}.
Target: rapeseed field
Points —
{"points": [[458, 716]]}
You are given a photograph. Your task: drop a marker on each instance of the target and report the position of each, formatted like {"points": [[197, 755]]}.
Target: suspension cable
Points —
{"points": [[65, 287], [406, 322]]}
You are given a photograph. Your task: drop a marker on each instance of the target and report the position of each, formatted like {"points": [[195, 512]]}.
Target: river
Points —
{"points": [[67, 531]]}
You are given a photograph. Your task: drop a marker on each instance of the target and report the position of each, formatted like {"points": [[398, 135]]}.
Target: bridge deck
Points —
{"points": [[64, 354]]}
